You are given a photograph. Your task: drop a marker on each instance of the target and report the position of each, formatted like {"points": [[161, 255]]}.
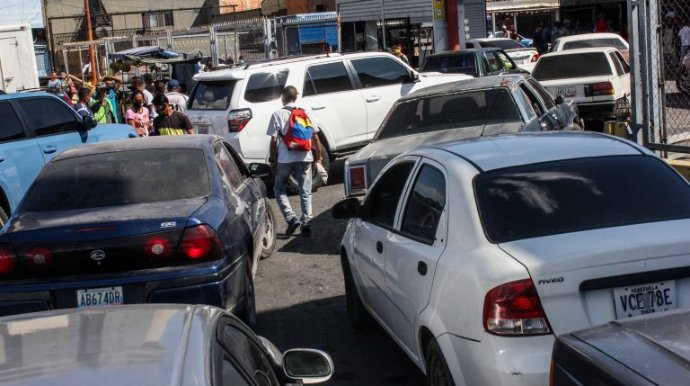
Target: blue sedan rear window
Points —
{"points": [[121, 178], [578, 195]]}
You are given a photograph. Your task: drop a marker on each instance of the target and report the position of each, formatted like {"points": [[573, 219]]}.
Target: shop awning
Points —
{"points": [[521, 5]]}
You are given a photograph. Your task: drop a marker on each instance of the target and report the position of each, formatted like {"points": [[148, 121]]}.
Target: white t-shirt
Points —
{"points": [[178, 101], [279, 122], [684, 36], [148, 101]]}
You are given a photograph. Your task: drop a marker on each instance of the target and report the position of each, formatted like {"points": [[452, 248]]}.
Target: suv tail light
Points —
{"points": [[357, 177], [514, 309], [597, 89], [535, 58], [7, 259], [200, 242], [238, 119]]}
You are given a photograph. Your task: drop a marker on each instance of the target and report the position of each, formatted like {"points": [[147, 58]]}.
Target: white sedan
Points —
{"points": [[473, 254]]}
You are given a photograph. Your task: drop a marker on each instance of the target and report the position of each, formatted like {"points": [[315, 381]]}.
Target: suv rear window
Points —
{"points": [[122, 178], [265, 86], [212, 95], [577, 195], [579, 65]]}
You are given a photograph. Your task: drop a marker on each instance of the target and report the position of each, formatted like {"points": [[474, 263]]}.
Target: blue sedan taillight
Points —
{"points": [[200, 242]]}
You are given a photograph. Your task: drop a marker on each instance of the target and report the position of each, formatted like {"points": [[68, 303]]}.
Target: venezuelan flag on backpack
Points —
{"points": [[300, 131]]}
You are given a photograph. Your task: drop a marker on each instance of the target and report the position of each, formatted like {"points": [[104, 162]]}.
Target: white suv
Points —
{"points": [[347, 97]]}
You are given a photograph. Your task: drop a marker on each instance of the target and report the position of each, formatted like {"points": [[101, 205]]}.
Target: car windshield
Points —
{"points": [[506, 44], [580, 65], [121, 178], [450, 111], [454, 64], [578, 195], [212, 95], [595, 43]]}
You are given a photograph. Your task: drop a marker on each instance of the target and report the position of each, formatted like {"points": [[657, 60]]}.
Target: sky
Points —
{"points": [[21, 12]]}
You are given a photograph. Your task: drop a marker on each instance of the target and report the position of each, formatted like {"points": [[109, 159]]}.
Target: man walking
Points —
{"points": [[82, 106], [286, 161], [177, 100], [169, 121], [101, 107]]}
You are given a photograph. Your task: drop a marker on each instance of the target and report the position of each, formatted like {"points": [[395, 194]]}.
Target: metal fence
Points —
{"points": [[660, 41]]}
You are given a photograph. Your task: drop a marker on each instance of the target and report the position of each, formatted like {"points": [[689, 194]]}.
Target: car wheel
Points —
{"points": [[248, 314], [358, 315], [3, 217], [437, 372], [316, 183], [268, 239]]}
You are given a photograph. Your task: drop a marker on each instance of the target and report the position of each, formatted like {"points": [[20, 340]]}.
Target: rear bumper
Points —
{"points": [[498, 361], [601, 110], [216, 284]]}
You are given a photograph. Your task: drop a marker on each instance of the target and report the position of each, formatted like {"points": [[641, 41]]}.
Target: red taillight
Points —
{"points": [[238, 119], [535, 58], [7, 260], [38, 258], [514, 309], [199, 241], [604, 88], [357, 176], [158, 248]]}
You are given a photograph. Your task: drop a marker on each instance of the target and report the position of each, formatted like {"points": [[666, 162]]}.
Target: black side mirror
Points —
{"points": [[413, 77], [89, 122], [559, 100], [260, 170], [346, 208], [307, 365]]}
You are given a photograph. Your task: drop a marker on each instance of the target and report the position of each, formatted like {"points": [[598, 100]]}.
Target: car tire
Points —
{"points": [[358, 315], [268, 239], [293, 186], [3, 217], [437, 371], [248, 314]]}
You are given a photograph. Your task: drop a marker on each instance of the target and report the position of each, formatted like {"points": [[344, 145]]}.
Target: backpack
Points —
{"points": [[299, 132]]}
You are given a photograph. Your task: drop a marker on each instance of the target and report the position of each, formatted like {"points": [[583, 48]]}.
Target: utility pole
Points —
{"points": [[89, 38]]}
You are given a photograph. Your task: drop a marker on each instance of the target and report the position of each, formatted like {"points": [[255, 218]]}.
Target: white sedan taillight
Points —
{"points": [[514, 309]]}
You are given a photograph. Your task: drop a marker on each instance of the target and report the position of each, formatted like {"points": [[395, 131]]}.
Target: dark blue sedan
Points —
{"points": [[155, 220]]}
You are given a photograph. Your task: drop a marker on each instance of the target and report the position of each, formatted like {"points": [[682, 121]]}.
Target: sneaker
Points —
{"points": [[292, 226], [306, 230]]}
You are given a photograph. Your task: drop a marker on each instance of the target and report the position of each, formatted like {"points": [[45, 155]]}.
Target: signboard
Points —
{"points": [[440, 9]]}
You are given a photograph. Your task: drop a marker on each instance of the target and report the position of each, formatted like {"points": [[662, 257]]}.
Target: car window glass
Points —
{"points": [[578, 65], [231, 375], [249, 355], [470, 45], [212, 95], [425, 205], [229, 172], [533, 101], [595, 43], [494, 64], [505, 60], [383, 201], [545, 96], [624, 63], [11, 129], [308, 86], [452, 64], [506, 44], [555, 45], [330, 77], [617, 63], [375, 72], [47, 116], [265, 86]]}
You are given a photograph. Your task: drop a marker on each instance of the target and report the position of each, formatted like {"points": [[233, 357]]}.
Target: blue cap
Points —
{"points": [[172, 84]]}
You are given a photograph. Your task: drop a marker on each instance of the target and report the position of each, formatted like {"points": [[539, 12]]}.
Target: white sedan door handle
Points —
{"points": [[373, 98], [318, 107]]}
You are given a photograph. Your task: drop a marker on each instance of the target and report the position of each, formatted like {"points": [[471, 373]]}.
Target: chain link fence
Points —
{"points": [[660, 43]]}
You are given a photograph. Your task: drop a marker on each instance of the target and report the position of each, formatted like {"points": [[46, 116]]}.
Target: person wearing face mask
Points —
{"points": [[138, 115], [101, 107]]}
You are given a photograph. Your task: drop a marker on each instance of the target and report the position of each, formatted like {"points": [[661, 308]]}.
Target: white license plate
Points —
{"points": [[645, 299], [566, 92], [201, 129], [519, 62], [100, 297]]}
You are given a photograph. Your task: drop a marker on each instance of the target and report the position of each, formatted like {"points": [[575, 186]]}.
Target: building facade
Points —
{"points": [[296, 7]]}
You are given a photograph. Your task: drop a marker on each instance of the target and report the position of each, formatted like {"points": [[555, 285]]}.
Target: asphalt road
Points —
{"points": [[301, 301]]}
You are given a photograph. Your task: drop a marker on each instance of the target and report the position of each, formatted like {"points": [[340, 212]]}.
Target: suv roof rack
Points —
{"points": [[291, 59]]}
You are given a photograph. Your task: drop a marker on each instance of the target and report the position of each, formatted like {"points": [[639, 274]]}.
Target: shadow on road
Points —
{"points": [[368, 357], [327, 234]]}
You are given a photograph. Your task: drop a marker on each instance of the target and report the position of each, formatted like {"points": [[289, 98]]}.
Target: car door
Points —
{"points": [[383, 81], [54, 124], [20, 157], [372, 232], [415, 248], [244, 357], [333, 103]]}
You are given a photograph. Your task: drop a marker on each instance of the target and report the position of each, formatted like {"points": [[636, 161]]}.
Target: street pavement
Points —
{"points": [[301, 301]]}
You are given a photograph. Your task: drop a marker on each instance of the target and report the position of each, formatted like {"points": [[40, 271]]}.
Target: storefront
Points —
{"points": [[583, 14], [523, 15]]}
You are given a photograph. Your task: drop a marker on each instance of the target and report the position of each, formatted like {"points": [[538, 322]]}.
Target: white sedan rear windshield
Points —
{"points": [[577, 195], [580, 65], [610, 42]]}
